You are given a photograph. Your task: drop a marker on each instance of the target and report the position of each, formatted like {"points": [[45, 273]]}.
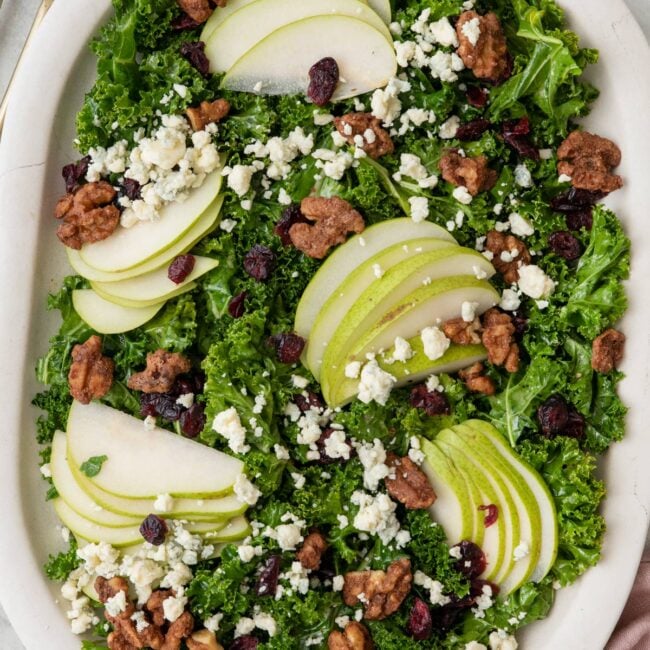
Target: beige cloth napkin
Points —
{"points": [[633, 629]]}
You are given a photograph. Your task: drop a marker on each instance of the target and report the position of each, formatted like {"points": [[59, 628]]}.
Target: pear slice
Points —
{"points": [[106, 317], [119, 537], [346, 258], [279, 64], [376, 320], [415, 369], [153, 287], [145, 463], [549, 525], [482, 452], [382, 8], [398, 264], [242, 30], [202, 227], [498, 539], [69, 490], [129, 247], [455, 498]]}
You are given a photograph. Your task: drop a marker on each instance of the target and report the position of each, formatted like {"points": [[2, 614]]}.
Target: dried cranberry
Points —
{"points": [[507, 72], [267, 583], [575, 200], [162, 404], [477, 96], [180, 268], [420, 625], [74, 173], [431, 402], [520, 323], [580, 219], [323, 78], [477, 585], [184, 22], [553, 415], [564, 244], [575, 427], [246, 642], [183, 385], [259, 262], [516, 135], [472, 130], [308, 401], [492, 514], [194, 52], [444, 618], [288, 347], [236, 306], [471, 562], [193, 420], [291, 215], [130, 188], [154, 529]]}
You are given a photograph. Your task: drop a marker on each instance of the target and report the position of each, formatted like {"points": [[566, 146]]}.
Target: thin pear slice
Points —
{"points": [[543, 498], [237, 529], [346, 258], [397, 264], [281, 61], [243, 29], [145, 463], [415, 369], [482, 452], [382, 8], [373, 325], [106, 317], [69, 490], [129, 247], [216, 509], [497, 542], [454, 505], [131, 535], [153, 287], [202, 227]]}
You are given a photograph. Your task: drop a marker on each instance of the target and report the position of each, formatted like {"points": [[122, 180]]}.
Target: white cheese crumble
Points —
{"points": [[174, 606], [353, 369], [449, 128], [246, 491], [213, 622], [336, 446], [298, 480], [299, 381], [521, 551], [462, 195], [375, 384], [402, 350], [434, 587], [185, 400], [334, 164], [116, 604], [475, 645], [415, 452], [419, 208], [468, 311], [519, 225], [472, 30], [483, 602], [337, 583], [523, 177], [534, 282], [435, 342], [163, 503], [385, 103], [373, 459], [281, 453], [500, 640], [228, 424], [509, 300], [376, 515]]}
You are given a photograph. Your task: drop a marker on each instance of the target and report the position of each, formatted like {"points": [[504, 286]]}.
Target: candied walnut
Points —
{"points": [[198, 10], [499, 340], [207, 113], [116, 641], [180, 629], [126, 635], [487, 56], [365, 131], [91, 373], [162, 369], [471, 172], [410, 484], [155, 605], [354, 637], [509, 253], [461, 332], [607, 350], [311, 551], [334, 219], [476, 380], [88, 215], [589, 160], [203, 640], [381, 592]]}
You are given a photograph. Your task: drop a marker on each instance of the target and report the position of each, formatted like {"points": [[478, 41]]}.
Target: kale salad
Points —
{"points": [[337, 358]]}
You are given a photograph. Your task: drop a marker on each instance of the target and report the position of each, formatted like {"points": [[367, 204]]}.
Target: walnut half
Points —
{"points": [[354, 637], [91, 373], [607, 350], [160, 374], [410, 484], [381, 592]]}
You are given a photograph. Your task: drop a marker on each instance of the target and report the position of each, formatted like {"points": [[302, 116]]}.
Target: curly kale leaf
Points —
{"points": [[58, 567]]}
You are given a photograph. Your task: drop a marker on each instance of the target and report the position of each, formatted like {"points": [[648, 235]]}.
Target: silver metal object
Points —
{"points": [[40, 14]]}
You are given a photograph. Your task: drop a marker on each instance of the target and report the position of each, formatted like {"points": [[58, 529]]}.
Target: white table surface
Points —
{"points": [[15, 20]]}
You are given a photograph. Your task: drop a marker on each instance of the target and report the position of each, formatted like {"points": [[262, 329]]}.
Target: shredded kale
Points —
{"points": [[59, 566]]}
